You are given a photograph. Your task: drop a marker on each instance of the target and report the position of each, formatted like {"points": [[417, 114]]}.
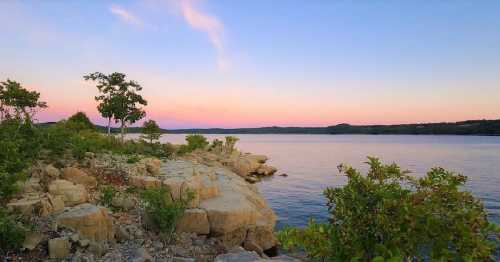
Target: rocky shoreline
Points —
{"points": [[227, 219]]}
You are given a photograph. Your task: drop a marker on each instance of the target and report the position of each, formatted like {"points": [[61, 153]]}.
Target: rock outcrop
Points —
{"points": [[90, 221], [234, 208], [70, 193], [78, 176]]}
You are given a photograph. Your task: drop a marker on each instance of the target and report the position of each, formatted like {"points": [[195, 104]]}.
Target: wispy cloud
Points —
{"points": [[210, 25], [125, 16]]}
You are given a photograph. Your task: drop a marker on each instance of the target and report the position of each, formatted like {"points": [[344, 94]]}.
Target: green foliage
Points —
{"points": [[19, 147], [388, 214], [133, 159], [108, 194], [216, 146], [194, 142], [18, 102], [12, 234], [162, 211], [230, 143], [151, 131], [119, 98], [79, 122]]}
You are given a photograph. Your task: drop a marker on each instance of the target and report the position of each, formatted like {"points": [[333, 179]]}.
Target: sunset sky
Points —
{"points": [[226, 63]]}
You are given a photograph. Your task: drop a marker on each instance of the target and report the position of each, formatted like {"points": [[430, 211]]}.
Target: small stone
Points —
{"points": [[83, 242], [122, 234], [158, 245], [252, 246], [183, 259], [98, 248], [142, 255], [284, 175], [32, 240], [245, 256], [51, 171], [59, 248], [74, 238]]}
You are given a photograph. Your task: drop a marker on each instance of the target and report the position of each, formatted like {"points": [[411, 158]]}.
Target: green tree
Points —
{"points": [[79, 121], [388, 215], [119, 99], [151, 131], [18, 102]]}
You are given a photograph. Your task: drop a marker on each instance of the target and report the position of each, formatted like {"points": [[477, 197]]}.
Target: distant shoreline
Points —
{"points": [[466, 128]]}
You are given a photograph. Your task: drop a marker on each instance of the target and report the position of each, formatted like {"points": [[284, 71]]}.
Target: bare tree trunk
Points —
{"points": [[122, 129], [1, 112], [109, 126]]}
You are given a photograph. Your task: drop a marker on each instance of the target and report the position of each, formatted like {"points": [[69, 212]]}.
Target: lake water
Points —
{"points": [[311, 164]]}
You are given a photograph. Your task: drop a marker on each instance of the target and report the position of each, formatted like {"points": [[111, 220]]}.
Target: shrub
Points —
{"points": [[230, 143], [216, 146], [108, 194], [79, 121], [11, 233], [194, 142], [162, 211], [388, 214], [18, 148]]}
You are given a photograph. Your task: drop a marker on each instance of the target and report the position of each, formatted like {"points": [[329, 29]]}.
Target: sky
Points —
{"points": [[226, 63]]}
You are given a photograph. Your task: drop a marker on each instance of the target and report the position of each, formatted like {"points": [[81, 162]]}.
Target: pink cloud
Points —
{"points": [[125, 15], [210, 25]]}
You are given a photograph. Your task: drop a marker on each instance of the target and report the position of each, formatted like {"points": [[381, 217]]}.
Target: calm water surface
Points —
{"points": [[311, 160]]}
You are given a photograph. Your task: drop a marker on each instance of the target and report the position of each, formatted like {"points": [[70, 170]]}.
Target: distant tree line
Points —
{"points": [[470, 127]]}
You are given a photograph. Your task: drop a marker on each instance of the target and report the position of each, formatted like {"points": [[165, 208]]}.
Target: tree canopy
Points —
{"points": [[119, 99], [151, 131]]}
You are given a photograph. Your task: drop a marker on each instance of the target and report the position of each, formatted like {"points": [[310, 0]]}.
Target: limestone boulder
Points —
{"points": [[29, 205], [265, 170], [244, 256], [79, 176], [32, 240], [59, 248], [32, 185], [194, 221], [90, 221], [152, 165], [144, 182], [51, 171], [235, 210], [238, 210], [70, 193]]}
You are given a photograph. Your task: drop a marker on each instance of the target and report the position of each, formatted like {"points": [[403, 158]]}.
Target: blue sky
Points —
{"points": [[259, 63]]}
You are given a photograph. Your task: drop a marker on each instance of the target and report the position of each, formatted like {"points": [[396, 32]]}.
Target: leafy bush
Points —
{"points": [[108, 194], [18, 143], [391, 215], [79, 121], [230, 143], [194, 142], [216, 145], [162, 211], [11, 233]]}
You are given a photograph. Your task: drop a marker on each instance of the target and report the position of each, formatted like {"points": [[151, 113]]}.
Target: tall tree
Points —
{"points": [[151, 131], [119, 99], [18, 102]]}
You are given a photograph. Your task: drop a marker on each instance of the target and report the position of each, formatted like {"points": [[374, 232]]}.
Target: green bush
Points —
{"points": [[108, 194], [194, 142], [388, 214], [78, 122], [230, 143], [12, 234], [19, 147], [162, 211]]}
